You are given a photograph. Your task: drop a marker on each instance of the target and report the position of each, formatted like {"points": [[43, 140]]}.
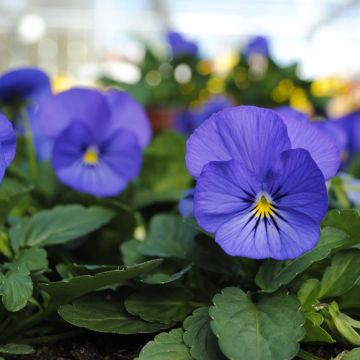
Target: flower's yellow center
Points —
{"points": [[91, 156], [264, 207]]}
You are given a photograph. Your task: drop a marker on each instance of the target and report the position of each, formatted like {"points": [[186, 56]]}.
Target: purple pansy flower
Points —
{"points": [[179, 46], [7, 144], [23, 84], [257, 45], [261, 195], [188, 120], [98, 138], [351, 125], [26, 87], [186, 204], [339, 135]]}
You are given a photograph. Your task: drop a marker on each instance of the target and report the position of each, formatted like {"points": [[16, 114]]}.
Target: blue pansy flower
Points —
{"points": [[179, 46], [98, 138], [7, 144], [188, 120], [23, 84], [339, 135], [257, 45], [258, 189], [23, 89], [351, 125], [186, 204]]}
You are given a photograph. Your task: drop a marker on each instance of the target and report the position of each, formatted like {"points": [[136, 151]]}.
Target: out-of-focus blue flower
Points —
{"points": [[179, 46], [188, 120], [306, 135], [98, 138], [7, 144], [24, 84], [257, 45], [186, 204], [23, 89], [351, 125], [339, 135], [257, 190]]}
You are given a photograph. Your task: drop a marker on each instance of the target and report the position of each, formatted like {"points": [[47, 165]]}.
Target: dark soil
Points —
{"points": [[92, 346]]}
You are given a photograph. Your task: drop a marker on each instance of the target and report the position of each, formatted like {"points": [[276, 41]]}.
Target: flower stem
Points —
{"points": [[30, 144]]}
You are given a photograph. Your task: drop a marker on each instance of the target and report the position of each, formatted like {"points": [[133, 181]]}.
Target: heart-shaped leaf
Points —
{"points": [[166, 346], [199, 337], [268, 330], [16, 288]]}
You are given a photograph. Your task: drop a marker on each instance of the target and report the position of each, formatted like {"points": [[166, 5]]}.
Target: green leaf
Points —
{"points": [[16, 349], [130, 252], [199, 337], [309, 294], [16, 288], [269, 330], [166, 346], [346, 220], [273, 274], [164, 275], [314, 331], [65, 291], [164, 166], [354, 354], [11, 191], [5, 248], [105, 315], [168, 237], [342, 274], [160, 303], [33, 259], [59, 225], [350, 300]]}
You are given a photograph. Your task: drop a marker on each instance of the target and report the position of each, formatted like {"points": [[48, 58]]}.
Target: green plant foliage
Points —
{"points": [[16, 288], [166, 346], [269, 329], [67, 290], [168, 237], [104, 314], [342, 274], [273, 274], [16, 349], [163, 304], [199, 337], [58, 226]]}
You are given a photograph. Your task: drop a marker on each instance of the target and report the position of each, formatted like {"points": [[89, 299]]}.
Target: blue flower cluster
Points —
{"points": [[261, 181], [94, 140]]}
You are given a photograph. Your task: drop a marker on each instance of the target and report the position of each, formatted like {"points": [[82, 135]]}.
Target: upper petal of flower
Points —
{"points": [[127, 113], [26, 83], [87, 105], [306, 135], [252, 135]]}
